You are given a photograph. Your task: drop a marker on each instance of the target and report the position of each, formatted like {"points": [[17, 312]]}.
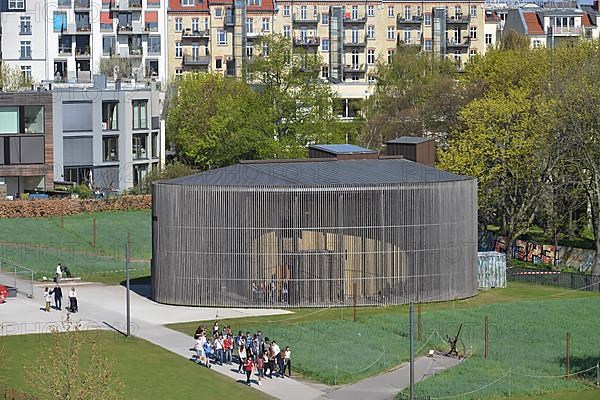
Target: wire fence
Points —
{"points": [[17, 276], [567, 280]]}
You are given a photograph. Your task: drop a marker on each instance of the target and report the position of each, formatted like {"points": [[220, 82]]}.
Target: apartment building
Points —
{"points": [[26, 142], [351, 36], [108, 135], [70, 40], [549, 27]]}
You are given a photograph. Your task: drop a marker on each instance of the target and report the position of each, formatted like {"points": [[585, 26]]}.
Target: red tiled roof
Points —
{"points": [[534, 27], [586, 20], [175, 5]]}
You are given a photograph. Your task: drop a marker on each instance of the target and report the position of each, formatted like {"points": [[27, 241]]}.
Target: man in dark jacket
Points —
{"points": [[57, 291]]}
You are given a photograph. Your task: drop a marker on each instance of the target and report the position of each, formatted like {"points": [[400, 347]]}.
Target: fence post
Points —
{"points": [[568, 354], [419, 325], [354, 294], [485, 351], [94, 233], [509, 382], [597, 374]]}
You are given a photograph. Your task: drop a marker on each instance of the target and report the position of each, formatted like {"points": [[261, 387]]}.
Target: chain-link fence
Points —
{"points": [[16, 276], [567, 280]]}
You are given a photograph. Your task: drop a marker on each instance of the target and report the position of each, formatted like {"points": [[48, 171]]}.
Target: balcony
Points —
{"points": [[565, 30], [355, 68], [305, 19], [196, 61], [135, 4], [83, 28], [135, 52], [350, 20], [190, 34], [458, 20], [307, 41], [83, 53], [134, 28], [414, 21], [356, 42], [458, 45], [253, 35], [82, 4]]}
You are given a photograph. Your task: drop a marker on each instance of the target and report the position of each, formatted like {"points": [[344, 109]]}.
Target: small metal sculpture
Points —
{"points": [[452, 341]]}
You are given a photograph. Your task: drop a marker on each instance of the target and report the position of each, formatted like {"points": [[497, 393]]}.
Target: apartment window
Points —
{"points": [[325, 44], [315, 11], [110, 112], [249, 50], [354, 13], [325, 19], [139, 146], [488, 38], [65, 44], [390, 56], [371, 56], [9, 119], [303, 13], [371, 32], [473, 33], [221, 37], [370, 11], [419, 11], [108, 45], [391, 33], [155, 145], [153, 44], [286, 11], [249, 25], [16, 4], [77, 174], [25, 50], [458, 11], [427, 19], [178, 24], [372, 79], [265, 49], [253, 2], [187, 2], [59, 21], [390, 11], [407, 12], [427, 44], [151, 20], [407, 36], [25, 26], [110, 148], [472, 53], [473, 11], [325, 71], [34, 115], [26, 72], [178, 72], [536, 43], [218, 12], [286, 31], [140, 118], [195, 24], [218, 63], [178, 50], [266, 25], [139, 174]]}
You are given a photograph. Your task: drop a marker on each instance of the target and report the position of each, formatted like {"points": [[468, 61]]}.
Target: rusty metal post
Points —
{"points": [[354, 295], [62, 221], [568, 355], [94, 233], [485, 351]]}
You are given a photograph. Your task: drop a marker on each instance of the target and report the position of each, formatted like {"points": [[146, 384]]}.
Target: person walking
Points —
{"points": [[248, 367], [200, 355], [57, 291], [287, 361], [276, 352], [73, 300], [281, 363], [47, 299], [271, 362], [260, 368], [227, 348], [218, 346], [242, 356]]}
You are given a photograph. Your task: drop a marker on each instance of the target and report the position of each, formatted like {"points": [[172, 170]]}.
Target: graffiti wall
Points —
{"points": [[536, 253]]}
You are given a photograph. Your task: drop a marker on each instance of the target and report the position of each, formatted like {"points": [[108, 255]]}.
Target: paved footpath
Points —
{"points": [[102, 306]]}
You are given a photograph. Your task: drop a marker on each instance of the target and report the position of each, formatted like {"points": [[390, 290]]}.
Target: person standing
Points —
{"points": [[242, 356], [281, 363], [271, 362], [47, 299], [218, 346], [260, 368], [73, 300], [58, 272], [287, 361], [276, 352], [248, 367], [57, 291], [227, 348]]}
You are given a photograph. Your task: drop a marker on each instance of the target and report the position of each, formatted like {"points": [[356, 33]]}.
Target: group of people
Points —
{"points": [[57, 293], [251, 352]]}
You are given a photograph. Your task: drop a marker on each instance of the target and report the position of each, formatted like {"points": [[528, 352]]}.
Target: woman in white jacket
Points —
{"points": [[73, 300]]}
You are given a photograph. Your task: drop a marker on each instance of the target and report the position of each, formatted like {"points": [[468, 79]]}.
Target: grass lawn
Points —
{"points": [[40, 243], [527, 335], [146, 370]]}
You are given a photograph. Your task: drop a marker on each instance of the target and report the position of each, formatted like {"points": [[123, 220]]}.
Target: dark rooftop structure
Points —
{"points": [[340, 151], [366, 172], [414, 148], [409, 140]]}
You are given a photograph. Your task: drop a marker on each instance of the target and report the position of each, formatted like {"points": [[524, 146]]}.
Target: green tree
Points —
{"points": [[416, 95], [215, 121], [299, 104], [513, 40], [74, 368], [504, 144]]}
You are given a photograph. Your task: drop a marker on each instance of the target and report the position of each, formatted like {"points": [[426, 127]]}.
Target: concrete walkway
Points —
{"points": [[103, 306], [388, 385]]}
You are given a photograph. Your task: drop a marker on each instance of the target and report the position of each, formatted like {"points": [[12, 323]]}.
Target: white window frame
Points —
{"points": [[16, 4], [370, 56], [178, 24], [370, 31], [390, 11], [325, 44], [286, 11], [370, 11], [266, 24], [489, 38], [391, 33], [221, 37], [178, 50], [473, 11], [473, 33], [427, 19], [187, 3]]}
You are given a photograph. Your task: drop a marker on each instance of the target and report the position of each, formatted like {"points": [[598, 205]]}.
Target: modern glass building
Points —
{"points": [[315, 233]]}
